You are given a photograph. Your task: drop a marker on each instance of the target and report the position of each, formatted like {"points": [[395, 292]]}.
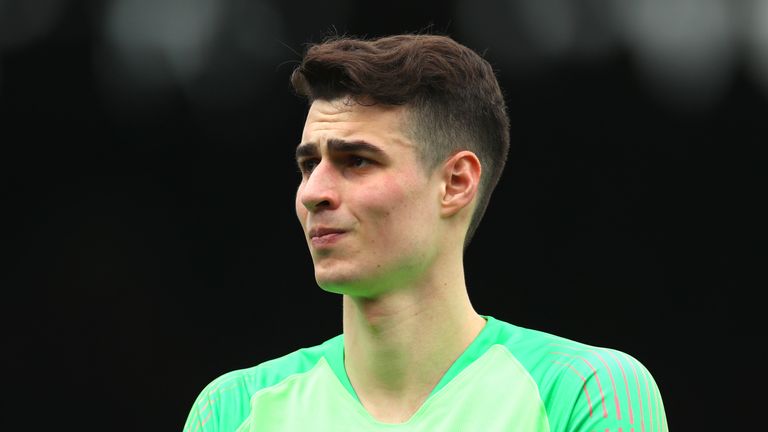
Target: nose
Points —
{"points": [[320, 190]]}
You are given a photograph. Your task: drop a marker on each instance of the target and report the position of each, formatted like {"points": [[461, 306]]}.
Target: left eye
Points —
{"points": [[357, 161]]}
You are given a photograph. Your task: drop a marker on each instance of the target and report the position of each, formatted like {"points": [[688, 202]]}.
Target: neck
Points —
{"points": [[398, 345]]}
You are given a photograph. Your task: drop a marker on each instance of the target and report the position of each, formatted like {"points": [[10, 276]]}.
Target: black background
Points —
{"points": [[152, 247]]}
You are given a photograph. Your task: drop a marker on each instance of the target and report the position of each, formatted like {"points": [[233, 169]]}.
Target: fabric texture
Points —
{"points": [[509, 379]]}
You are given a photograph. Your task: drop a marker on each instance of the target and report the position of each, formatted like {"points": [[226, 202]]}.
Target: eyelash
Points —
{"points": [[358, 158], [304, 165], [351, 161]]}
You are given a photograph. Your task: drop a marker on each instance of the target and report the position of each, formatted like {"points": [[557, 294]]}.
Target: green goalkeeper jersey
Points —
{"points": [[509, 379]]}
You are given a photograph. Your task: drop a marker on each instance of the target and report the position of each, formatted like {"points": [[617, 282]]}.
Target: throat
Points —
{"points": [[395, 365], [392, 410]]}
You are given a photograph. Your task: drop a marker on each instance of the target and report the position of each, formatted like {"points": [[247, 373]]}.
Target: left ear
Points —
{"points": [[461, 178]]}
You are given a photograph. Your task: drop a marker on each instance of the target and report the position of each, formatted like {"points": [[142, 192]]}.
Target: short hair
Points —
{"points": [[453, 97]]}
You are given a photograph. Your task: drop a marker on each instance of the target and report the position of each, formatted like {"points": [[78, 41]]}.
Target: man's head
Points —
{"points": [[397, 136], [451, 94]]}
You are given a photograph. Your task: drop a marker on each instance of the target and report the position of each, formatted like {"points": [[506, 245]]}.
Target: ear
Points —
{"points": [[461, 179]]}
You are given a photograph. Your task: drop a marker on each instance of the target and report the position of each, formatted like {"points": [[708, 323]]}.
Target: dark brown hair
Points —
{"points": [[454, 100]]}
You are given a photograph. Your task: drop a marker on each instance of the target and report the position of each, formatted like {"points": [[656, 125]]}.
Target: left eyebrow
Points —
{"points": [[341, 146], [337, 145]]}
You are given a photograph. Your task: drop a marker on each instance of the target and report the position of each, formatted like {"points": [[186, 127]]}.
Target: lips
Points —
{"points": [[322, 238], [323, 231]]}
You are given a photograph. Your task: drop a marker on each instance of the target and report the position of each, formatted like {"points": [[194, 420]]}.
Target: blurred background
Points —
{"points": [[147, 151]]}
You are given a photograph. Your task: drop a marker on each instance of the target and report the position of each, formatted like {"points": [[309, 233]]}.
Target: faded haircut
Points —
{"points": [[452, 96]]}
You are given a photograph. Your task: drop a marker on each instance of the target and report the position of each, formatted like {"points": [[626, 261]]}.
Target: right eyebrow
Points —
{"points": [[306, 150]]}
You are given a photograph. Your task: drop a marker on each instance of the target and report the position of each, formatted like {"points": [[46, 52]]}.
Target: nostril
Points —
{"points": [[322, 204], [317, 205]]}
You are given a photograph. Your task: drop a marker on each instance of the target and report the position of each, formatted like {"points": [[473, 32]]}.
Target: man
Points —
{"points": [[405, 139]]}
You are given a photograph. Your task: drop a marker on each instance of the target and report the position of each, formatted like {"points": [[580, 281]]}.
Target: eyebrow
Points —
{"points": [[340, 146]]}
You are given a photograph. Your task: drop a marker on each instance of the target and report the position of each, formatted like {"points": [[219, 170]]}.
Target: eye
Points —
{"points": [[306, 166], [358, 162]]}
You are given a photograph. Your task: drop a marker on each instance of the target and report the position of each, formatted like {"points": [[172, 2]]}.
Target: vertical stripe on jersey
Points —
{"points": [[607, 368], [639, 396], [594, 373], [590, 363], [586, 392], [626, 386]]}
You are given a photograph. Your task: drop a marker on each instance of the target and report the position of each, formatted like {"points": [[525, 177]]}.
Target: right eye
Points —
{"points": [[308, 165]]}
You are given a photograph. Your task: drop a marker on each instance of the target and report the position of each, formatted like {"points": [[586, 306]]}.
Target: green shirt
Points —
{"points": [[509, 379]]}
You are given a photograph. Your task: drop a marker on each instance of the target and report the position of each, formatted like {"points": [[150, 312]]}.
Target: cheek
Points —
{"points": [[398, 209], [384, 201]]}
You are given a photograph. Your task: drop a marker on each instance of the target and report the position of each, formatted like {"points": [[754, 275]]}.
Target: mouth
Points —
{"points": [[323, 236]]}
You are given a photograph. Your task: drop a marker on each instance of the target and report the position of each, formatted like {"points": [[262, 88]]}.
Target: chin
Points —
{"points": [[331, 271], [334, 281], [359, 288], [345, 285]]}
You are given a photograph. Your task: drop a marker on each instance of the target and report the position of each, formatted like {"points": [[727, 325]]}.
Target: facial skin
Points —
{"points": [[363, 188]]}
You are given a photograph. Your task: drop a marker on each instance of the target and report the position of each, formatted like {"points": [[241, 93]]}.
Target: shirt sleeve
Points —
{"points": [[616, 392], [203, 416], [223, 405]]}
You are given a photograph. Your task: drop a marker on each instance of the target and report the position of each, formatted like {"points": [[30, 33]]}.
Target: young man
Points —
{"points": [[405, 139]]}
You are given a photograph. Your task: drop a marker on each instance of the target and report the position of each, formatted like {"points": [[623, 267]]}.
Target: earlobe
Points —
{"points": [[461, 176]]}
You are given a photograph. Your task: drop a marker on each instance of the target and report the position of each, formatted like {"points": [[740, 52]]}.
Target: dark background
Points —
{"points": [[149, 185]]}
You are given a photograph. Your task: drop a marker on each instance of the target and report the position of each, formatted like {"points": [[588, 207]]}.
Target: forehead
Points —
{"points": [[346, 119]]}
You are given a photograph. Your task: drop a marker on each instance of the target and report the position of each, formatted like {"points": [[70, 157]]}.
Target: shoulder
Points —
{"points": [[582, 383], [540, 350], [225, 401]]}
